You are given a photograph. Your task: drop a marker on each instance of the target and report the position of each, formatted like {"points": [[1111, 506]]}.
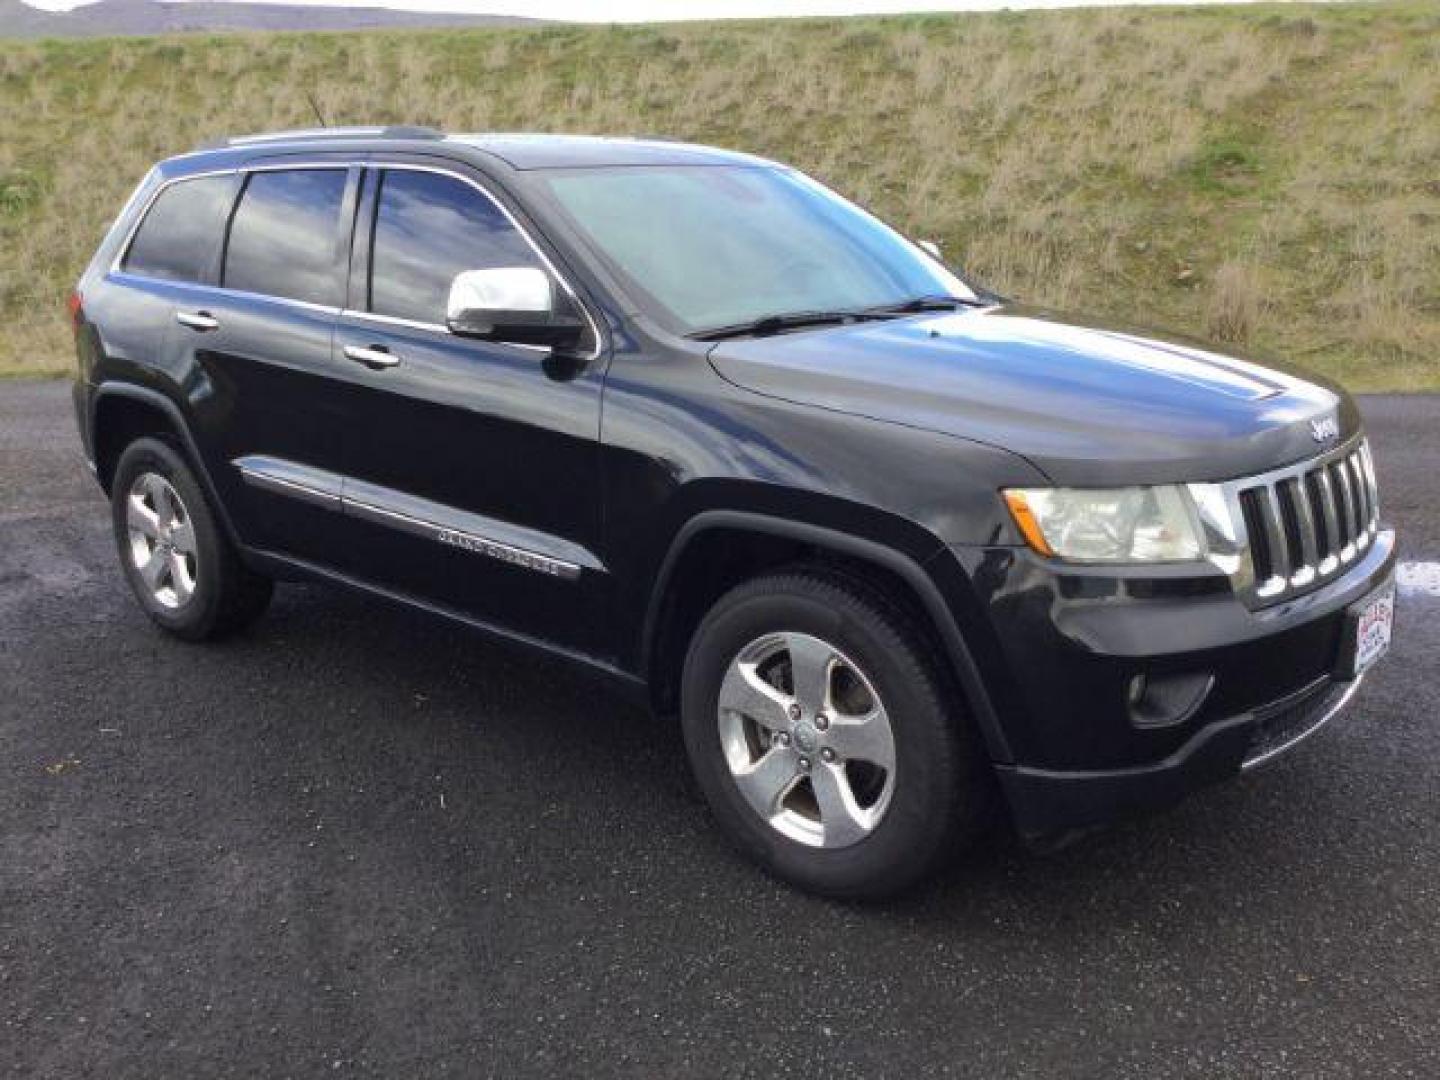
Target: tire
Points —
{"points": [[180, 565], [914, 800]]}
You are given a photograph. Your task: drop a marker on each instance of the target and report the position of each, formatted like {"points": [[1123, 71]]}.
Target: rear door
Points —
{"points": [[260, 346], [472, 465]]}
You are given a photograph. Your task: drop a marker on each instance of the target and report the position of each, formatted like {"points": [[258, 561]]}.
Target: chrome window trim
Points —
{"points": [[117, 270], [394, 320], [124, 276], [434, 328]]}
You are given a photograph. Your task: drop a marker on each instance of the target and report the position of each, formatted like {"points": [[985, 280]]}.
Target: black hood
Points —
{"points": [[1084, 404]]}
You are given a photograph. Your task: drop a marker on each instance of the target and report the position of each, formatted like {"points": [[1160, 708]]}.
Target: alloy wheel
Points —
{"points": [[807, 740], [162, 540]]}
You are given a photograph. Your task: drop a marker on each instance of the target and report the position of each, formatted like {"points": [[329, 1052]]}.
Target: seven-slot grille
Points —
{"points": [[1305, 524]]}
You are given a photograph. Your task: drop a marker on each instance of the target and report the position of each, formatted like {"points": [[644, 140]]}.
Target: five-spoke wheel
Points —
{"points": [[807, 739], [186, 573], [162, 540], [820, 731]]}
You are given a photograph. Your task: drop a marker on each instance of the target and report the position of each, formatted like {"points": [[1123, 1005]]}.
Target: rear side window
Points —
{"points": [[181, 232], [428, 228], [285, 238]]}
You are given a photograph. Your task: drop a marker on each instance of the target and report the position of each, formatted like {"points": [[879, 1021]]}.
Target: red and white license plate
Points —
{"points": [[1372, 628]]}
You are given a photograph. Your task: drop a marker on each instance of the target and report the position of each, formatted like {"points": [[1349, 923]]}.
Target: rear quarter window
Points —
{"points": [[180, 233]]}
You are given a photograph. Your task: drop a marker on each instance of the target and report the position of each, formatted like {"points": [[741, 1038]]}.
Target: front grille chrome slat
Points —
{"points": [[1349, 515], [1320, 480], [1299, 499], [1362, 500], [1274, 537], [1304, 524]]}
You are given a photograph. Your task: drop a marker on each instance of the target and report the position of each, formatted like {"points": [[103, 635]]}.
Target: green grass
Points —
{"points": [[1266, 175]]}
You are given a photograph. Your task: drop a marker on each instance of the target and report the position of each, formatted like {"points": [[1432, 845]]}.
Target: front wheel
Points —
{"points": [[819, 730]]}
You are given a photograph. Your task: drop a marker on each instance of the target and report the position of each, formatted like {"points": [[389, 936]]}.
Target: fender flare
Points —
{"points": [[911, 571], [154, 398]]}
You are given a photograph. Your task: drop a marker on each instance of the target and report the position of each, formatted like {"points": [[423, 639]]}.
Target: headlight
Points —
{"points": [[1109, 525]]}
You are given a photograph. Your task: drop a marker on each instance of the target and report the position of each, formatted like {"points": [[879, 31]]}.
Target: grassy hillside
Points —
{"points": [[1267, 176]]}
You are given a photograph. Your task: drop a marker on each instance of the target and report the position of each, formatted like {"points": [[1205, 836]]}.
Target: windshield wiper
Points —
{"points": [[774, 324], [934, 302], [793, 320]]}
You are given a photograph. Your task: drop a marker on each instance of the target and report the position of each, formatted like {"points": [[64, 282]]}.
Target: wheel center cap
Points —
{"points": [[805, 736]]}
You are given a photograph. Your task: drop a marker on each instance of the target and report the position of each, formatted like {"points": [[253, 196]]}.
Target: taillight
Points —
{"points": [[75, 305]]}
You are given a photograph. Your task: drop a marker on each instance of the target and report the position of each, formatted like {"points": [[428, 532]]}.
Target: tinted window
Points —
{"points": [[428, 228], [285, 237], [180, 234]]}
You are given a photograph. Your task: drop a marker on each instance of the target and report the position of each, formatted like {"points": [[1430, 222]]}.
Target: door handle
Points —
{"points": [[197, 320], [374, 356]]}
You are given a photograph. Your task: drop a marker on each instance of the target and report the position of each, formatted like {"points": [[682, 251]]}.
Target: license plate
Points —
{"points": [[1372, 628]]}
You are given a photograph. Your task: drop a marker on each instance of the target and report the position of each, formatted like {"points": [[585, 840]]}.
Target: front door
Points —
{"points": [[472, 471]]}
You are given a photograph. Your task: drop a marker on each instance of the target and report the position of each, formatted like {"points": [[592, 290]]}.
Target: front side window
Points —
{"points": [[709, 246], [285, 238], [428, 228], [181, 232]]}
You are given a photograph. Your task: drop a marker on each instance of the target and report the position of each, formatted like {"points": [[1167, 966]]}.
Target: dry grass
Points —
{"points": [[1234, 309], [1264, 175]]}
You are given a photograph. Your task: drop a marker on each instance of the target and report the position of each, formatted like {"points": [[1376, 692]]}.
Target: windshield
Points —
{"points": [[714, 246]]}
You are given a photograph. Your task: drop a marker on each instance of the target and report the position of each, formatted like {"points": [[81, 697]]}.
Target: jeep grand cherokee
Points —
{"points": [[898, 551]]}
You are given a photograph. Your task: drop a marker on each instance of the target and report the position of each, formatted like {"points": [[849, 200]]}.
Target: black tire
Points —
{"points": [[942, 787], [227, 595]]}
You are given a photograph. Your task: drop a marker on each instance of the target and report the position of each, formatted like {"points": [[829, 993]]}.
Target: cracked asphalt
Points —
{"points": [[356, 841]]}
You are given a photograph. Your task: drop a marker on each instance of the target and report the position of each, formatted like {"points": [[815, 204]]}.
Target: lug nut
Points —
{"points": [[804, 764], [794, 712], [821, 722], [827, 754], [784, 738]]}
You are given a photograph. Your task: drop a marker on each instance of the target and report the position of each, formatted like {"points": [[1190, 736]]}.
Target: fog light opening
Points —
{"points": [[1158, 701]]}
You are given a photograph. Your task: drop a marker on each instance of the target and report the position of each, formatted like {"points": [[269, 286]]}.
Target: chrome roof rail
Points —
{"points": [[398, 131]]}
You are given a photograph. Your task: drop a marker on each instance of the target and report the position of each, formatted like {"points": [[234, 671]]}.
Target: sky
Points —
{"points": [[664, 10]]}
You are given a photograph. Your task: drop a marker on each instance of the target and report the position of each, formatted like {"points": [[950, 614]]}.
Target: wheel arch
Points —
{"points": [[670, 622], [122, 412]]}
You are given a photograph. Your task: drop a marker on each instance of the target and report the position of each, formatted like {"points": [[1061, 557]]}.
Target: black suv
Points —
{"points": [[900, 552]]}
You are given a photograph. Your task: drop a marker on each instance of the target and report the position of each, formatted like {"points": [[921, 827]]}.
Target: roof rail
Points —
{"points": [[396, 131]]}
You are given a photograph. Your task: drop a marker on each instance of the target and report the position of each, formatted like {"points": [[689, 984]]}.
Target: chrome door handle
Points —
{"points": [[197, 320], [371, 357]]}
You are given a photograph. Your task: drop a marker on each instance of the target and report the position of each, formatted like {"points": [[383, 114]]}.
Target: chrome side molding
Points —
{"points": [[503, 542], [280, 477]]}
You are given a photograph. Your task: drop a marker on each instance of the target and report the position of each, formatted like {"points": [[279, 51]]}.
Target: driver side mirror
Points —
{"points": [[516, 304]]}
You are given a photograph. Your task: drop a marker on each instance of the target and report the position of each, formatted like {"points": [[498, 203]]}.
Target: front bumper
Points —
{"points": [[1065, 658], [1045, 802]]}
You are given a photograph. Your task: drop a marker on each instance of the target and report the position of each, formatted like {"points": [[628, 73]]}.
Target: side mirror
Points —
{"points": [[931, 247], [511, 303]]}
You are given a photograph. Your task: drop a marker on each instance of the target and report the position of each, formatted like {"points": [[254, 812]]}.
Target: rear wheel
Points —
{"points": [[818, 728], [181, 567]]}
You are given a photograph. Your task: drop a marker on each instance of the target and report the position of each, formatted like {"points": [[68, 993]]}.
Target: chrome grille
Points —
{"points": [[1307, 523]]}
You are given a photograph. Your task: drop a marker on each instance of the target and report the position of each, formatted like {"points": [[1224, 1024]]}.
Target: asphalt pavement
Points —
{"points": [[356, 841]]}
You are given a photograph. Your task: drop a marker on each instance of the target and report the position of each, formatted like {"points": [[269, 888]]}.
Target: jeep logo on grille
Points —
{"points": [[1327, 427]]}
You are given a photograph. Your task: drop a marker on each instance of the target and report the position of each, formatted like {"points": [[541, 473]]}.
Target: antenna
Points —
{"points": [[310, 97]]}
